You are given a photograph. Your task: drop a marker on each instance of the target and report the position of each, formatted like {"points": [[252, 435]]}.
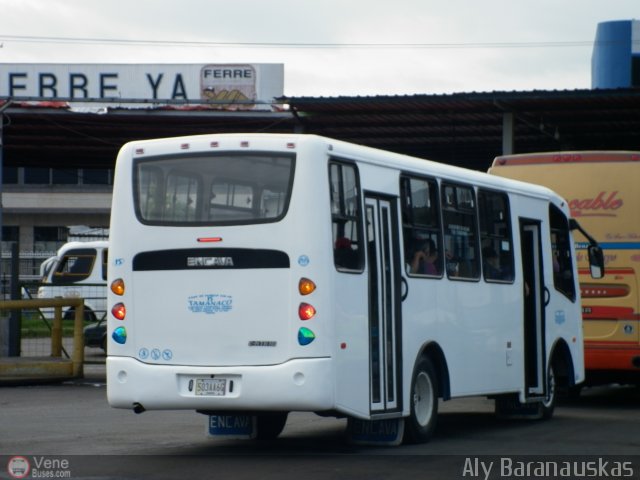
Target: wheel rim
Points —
{"points": [[423, 399], [551, 389]]}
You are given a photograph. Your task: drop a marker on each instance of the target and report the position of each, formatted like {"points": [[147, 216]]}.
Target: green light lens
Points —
{"points": [[305, 336], [120, 335]]}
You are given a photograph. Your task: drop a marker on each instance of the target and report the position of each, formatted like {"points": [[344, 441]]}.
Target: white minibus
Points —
{"points": [[79, 270], [259, 274]]}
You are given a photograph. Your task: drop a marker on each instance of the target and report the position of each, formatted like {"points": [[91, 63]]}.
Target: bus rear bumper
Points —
{"points": [[296, 385], [608, 357]]}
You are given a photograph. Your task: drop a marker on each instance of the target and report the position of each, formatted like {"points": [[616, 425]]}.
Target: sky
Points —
{"points": [[329, 47]]}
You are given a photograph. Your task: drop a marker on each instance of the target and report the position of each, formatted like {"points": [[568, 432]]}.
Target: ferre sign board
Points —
{"points": [[229, 86]]}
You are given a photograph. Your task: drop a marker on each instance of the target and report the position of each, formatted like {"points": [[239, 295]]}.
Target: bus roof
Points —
{"points": [[337, 148], [566, 157]]}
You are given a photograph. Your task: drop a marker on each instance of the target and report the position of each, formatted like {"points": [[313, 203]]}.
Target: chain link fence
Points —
{"points": [[27, 332]]}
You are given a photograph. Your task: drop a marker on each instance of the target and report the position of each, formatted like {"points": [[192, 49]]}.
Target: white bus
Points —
{"points": [[79, 270], [260, 274]]}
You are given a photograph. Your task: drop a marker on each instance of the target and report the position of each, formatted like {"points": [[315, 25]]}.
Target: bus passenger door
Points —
{"points": [[384, 303], [534, 305]]}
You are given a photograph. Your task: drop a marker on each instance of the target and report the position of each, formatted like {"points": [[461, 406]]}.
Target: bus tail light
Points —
{"points": [[120, 335], [594, 290], [119, 311], [117, 286], [305, 336], [306, 286], [306, 311]]}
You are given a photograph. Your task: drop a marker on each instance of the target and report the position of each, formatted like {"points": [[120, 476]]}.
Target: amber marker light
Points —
{"points": [[117, 286], [119, 311], [306, 311], [306, 286]]}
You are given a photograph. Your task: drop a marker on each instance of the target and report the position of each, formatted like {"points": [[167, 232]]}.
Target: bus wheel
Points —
{"points": [[549, 403], [270, 425], [424, 403]]}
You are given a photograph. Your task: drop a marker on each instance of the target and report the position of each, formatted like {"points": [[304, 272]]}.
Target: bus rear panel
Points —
{"points": [[209, 317]]}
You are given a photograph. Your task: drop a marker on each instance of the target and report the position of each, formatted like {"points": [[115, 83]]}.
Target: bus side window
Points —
{"points": [[495, 236], [562, 263], [346, 216], [460, 232], [421, 229], [75, 266], [105, 263]]}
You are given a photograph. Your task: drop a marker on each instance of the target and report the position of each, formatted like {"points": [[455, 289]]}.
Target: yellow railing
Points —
{"points": [[54, 366]]}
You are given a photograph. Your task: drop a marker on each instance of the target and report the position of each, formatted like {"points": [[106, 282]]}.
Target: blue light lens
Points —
{"points": [[120, 335], [305, 336]]}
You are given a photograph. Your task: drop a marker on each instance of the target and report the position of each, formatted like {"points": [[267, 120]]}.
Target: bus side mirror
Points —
{"points": [[596, 261]]}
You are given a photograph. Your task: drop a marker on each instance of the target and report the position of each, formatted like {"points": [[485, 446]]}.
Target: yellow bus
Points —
{"points": [[603, 194]]}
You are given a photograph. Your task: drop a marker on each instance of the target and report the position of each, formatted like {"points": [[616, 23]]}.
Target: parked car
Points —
{"points": [[95, 335]]}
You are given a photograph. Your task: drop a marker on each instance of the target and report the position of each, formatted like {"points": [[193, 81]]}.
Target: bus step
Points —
{"points": [[509, 407]]}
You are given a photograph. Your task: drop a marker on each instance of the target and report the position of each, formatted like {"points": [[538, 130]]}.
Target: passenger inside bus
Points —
{"points": [[492, 270], [344, 254], [424, 259]]}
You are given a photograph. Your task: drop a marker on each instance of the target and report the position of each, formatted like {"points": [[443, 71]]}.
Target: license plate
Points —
{"points": [[216, 387]]}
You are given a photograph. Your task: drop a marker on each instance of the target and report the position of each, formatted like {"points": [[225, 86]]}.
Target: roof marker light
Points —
{"points": [[214, 144], [305, 336], [291, 145], [120, 335], [139, 151], [244, 144], [184, 146]]}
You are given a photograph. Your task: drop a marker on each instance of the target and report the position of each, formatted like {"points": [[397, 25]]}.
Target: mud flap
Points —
{"points": [[387, 432]]}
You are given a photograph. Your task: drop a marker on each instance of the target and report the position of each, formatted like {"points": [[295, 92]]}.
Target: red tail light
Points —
{"points": [[119, 311], [306, 311]]}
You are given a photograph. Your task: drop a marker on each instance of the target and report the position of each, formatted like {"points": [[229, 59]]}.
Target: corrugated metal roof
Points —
{"points": [[464, 129], [467, 128]]}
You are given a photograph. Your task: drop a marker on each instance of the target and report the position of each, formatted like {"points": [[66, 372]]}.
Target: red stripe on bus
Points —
{"points": [[608, 313], [567, 157], [609, 271]]}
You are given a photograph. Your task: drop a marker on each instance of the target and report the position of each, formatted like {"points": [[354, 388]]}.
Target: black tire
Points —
{"points": [[420, 424], [270, 425], [549, 403]]}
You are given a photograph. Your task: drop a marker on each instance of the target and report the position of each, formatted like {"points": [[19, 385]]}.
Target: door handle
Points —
{"points": [[404, 288], [547, 296]]}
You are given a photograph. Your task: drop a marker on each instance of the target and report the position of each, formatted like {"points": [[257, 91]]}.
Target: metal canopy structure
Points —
{"points": [[465, 129], [470, 129]]}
